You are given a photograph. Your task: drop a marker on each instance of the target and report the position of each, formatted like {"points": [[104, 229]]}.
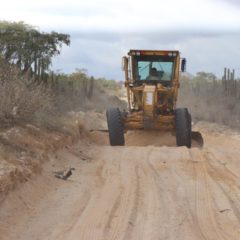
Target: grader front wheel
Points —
{"points": [[183, 127], [115, 127]]}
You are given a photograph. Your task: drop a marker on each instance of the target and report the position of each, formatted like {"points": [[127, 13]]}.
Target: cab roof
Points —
{"points": [[138, 52]]}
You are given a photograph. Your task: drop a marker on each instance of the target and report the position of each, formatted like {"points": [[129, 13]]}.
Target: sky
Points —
{"points": [[206, 32]]}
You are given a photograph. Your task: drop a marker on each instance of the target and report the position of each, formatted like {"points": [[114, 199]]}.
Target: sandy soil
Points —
{"points": [[149, 189]]}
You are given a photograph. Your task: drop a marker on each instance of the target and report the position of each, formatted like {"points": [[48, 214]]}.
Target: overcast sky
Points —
{"points": [[207, 32]]}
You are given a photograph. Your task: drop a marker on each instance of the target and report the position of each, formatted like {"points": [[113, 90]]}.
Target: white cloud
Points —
{"points": [[124, 15], [102, 57], [207, 32]]}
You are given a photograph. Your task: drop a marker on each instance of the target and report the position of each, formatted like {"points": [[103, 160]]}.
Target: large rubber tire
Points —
{"points": [[183, 123], [115, 127]]}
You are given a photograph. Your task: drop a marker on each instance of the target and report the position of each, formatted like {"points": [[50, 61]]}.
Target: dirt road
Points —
{"points": [[133, 192]]}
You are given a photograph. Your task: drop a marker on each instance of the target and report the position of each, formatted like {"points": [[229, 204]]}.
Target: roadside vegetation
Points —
{"points": [[208, 99], [21, 97], [30, 50], [29, 90]]}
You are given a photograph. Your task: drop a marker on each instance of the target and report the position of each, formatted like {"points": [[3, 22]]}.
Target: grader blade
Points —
{"points": [[197, 136]]}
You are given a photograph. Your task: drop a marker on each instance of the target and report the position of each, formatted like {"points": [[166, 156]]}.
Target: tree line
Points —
{"points": [[29, 49]]}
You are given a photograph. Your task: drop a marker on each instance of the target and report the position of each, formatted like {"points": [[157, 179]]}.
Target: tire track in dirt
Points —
{"points": [[144, 221], [105, 215], [124, 214], [209, 199], [227, 182], [203, 204], [142, 193], [176, 218]]}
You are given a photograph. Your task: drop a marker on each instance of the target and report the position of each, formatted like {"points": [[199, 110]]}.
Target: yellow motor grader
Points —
{"points": [[152, 82]]}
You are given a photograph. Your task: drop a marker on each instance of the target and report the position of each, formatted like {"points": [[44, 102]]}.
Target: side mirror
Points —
{"points": [[125, 68], [124, 63], [183, 65]]}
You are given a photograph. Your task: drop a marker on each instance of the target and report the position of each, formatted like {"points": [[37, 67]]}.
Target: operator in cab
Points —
{"points": [[153, 75]]}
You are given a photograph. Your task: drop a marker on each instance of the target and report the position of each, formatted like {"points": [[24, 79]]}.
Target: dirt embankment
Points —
{"points": [[24, 148]]}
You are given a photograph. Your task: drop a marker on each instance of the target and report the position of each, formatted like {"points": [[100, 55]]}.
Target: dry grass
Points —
{"points": [[79, 92], [208, 101], [21, 98], [24, 101]]}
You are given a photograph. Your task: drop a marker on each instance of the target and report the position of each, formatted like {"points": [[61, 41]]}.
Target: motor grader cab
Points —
{"points": [[152, 82]]}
